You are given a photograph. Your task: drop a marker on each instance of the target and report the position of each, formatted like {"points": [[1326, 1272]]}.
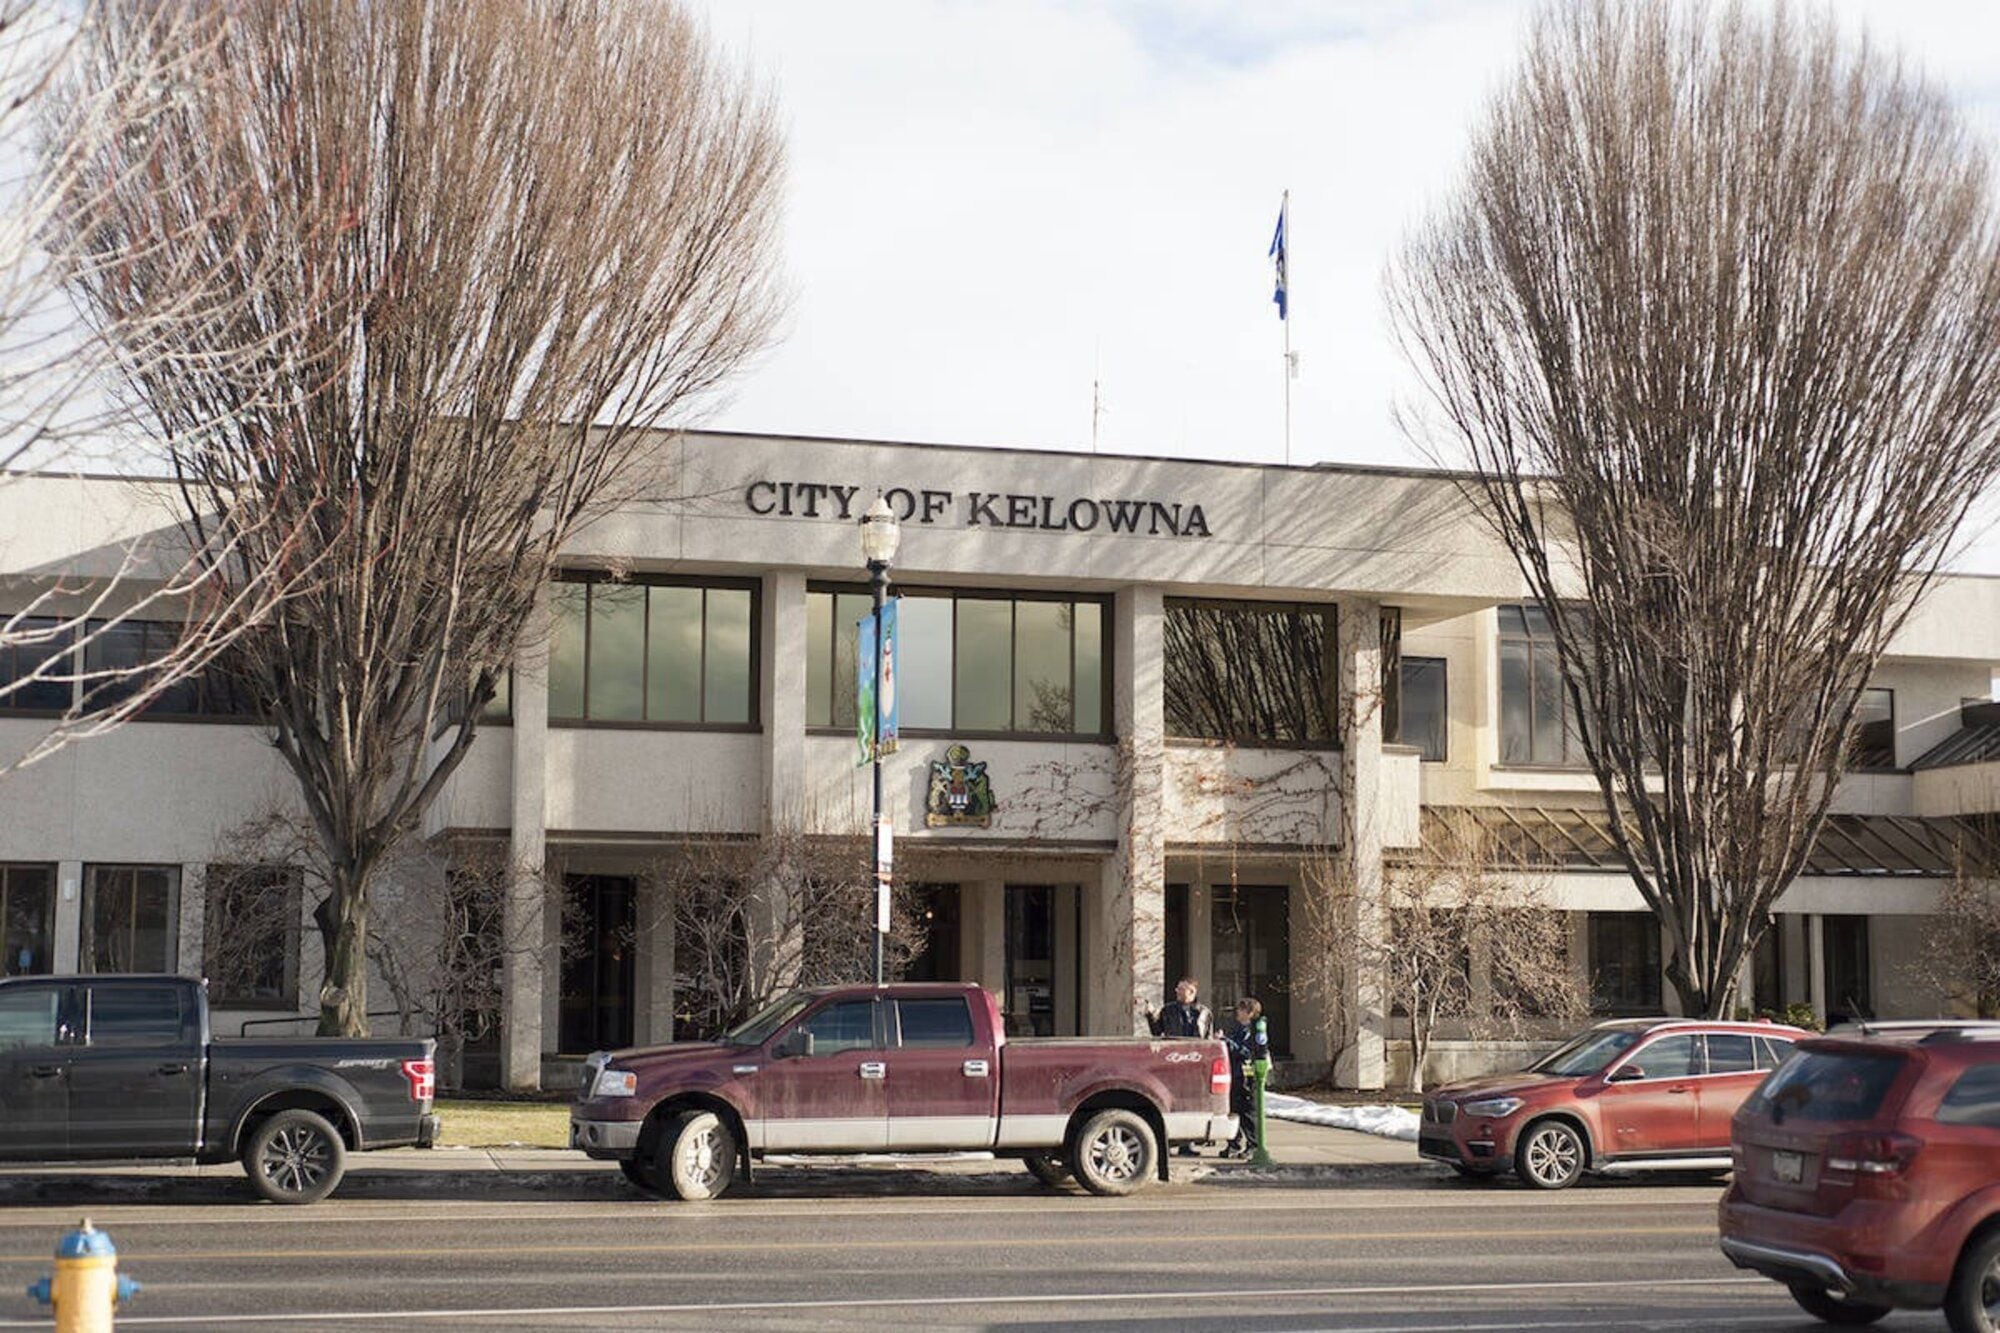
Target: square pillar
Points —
{"points": [[1128, 938], [653, 1023], [66, 945], [524, 961], [782, 701], [983, 927], [190, 953], [1363, 1063]]}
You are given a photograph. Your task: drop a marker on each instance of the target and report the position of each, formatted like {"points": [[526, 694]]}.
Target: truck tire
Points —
{"points": [[639, 1170], [295, 1156], [696, 1158], [1048, 1168], [1973, 1303], [1115, 1153]]}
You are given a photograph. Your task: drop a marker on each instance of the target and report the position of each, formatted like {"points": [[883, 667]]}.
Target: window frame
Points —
{"points": [[754, 669], [1331, 668], [1573, 760], [1106, 677], [8, 869], [86, 936], [13, 654], [293, 929]]}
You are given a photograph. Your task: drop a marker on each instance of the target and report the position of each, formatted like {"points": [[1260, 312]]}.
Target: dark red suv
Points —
{"points": [[1633, 1095], [1868, 1175]]}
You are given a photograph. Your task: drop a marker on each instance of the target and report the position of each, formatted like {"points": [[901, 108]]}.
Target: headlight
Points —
{"points": [[1493, 1108], [615, 1083]]}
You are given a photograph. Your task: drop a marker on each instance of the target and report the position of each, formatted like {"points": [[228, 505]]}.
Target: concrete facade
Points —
{"points": [[1125, 854]]}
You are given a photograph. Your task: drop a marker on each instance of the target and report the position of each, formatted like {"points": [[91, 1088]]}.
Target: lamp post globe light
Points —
{"points": [[880, 535]]}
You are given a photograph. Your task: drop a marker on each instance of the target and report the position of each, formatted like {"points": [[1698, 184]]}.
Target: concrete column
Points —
{"points": [[984, 930], [66, 946], [524, 981], [782, 701], [189, 938], [1816, 964], [653, 1022], [1363, 1064], [1201, 944], [1128, 940]]}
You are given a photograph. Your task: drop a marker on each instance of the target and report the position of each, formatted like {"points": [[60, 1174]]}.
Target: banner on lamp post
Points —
{"points": [[866, 713]]}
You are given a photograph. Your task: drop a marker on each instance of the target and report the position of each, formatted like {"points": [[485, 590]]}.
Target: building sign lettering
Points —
{"points": [[981, 509]]}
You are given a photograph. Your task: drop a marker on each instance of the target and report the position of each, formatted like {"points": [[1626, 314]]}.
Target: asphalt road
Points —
{"points": [[874, 1250]]}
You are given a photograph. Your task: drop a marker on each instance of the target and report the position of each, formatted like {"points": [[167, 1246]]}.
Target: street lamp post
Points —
{"points": [[880, 534]]}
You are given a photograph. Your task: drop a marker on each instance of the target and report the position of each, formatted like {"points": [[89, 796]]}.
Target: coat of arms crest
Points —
{"points": [[960, 794]]}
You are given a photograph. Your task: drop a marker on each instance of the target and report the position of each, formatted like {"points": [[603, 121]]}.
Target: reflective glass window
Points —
{"points": [[129, 918], [1423, 710], [847, 1026], [673, 665], [27, 918], [649, 651], [19, 660], [1249, 671]]}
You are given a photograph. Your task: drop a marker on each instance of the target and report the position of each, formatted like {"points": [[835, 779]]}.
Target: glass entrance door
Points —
{"points": [[598, 978], [1030, 1000], [1251, 936]]}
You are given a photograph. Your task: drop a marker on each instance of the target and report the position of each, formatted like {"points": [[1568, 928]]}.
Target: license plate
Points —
{"points": [[1788, 1168]]}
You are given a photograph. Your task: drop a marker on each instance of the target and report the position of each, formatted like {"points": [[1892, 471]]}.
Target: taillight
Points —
{"points": [[1218, 1076], [1872, 1156], [422, 1075]]}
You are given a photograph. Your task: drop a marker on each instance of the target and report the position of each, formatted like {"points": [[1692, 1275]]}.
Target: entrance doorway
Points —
{"points": [[1030, 1001], [600, 930], [937, 907], [1251, 937]]}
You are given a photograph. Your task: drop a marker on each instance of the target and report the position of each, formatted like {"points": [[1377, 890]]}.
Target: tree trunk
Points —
{"points": [[343, 995]]}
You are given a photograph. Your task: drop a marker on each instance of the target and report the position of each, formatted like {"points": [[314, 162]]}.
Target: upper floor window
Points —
{"points": [[1537, 724], [1874, 744], [967, 662], [663, 652], [1421, 715], [19, 661], [130, 647], [1250, 671]]}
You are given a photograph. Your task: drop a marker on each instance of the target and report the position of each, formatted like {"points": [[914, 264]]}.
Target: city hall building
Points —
{"points": [[1142, 701]]}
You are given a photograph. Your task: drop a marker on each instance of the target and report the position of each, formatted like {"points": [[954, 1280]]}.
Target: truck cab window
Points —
{"points": [[940, 1022], [848, 1026], [136, 1016], [28, 1017]]}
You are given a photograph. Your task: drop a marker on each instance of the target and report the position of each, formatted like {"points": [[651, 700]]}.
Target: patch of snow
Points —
{"points": [[1389, 1122]]}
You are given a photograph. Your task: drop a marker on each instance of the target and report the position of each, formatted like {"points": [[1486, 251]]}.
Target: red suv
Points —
{"points": [[1868, 1175], [1642, 1094]]}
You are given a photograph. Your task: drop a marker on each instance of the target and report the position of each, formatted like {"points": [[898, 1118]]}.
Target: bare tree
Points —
{"points": [[556, 224], [1714, 321], [754, 918], [1960, 958]]}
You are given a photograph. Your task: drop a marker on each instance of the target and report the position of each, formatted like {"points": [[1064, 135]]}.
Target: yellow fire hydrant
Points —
{"points": [[86, 1287]]}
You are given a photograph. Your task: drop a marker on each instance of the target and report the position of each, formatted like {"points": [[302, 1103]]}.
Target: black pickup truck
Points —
{"points": [[121, 1068]]}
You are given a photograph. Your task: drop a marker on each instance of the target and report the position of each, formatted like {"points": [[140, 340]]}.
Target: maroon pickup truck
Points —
{"points": [[901, 1068]]}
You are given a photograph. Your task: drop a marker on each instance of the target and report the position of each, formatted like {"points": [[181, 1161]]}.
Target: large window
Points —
{"points": [[1256, 672], [1421, 712], [128, 918], [251, 931], [27, 918], [1624, 963], [130, 646], [1850, 991], [1537, 725], [1874, 743], [653, 652], [967, 662], [18, 661]]}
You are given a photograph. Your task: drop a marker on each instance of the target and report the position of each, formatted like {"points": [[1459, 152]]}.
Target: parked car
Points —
{"points": [[1868, 1175], [898, 1068], [122, 1068], [1633, 1095]]}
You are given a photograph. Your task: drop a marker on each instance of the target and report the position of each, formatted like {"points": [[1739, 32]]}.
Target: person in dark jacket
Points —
{"points": [[1247, 1041], [1185, 1017]]}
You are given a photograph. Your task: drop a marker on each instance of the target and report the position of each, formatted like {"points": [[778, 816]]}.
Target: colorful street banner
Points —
{"points": [[864, 684]]}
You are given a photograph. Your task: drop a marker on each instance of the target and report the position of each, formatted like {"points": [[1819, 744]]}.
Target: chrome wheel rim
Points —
{"points": [[1989, 1293], [702, 1157], [296, 1160], [1117, 1153], [1554, 1156]]}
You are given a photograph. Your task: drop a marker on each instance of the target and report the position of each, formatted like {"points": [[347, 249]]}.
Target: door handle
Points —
{"points": [[170, 1068], [874, 1069], [975, 1069], [1681, 1091], [46, 1071]]}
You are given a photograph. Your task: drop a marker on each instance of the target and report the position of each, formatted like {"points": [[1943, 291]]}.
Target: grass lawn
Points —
{"points": [[466, 1124]]}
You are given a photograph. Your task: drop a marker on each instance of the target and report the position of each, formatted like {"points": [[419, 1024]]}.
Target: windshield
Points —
{"points": [[1588, 1054], [753, 1030]]}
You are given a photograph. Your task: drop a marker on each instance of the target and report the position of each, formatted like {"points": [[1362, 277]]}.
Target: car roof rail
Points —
{"points": [[1934, 1029]]}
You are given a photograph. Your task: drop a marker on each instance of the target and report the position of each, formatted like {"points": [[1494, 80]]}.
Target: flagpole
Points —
{"points": [[1285, 212]]}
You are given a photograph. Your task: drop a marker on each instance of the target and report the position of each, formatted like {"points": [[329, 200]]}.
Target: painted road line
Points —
{"points": [[1264, 1239], [1235, 1295]]}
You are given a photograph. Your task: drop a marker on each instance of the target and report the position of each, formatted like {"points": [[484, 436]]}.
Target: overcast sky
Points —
{"points": [[994, 203]]}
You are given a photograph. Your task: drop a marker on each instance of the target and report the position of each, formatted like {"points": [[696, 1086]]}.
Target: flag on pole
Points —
{"points": [[1278, 253]]}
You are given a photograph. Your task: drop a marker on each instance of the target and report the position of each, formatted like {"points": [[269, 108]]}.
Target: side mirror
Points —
{"points": [[1626, 1074], [796, 1043]]}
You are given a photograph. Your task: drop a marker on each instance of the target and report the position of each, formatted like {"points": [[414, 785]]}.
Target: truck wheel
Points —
{"points": [[697, 1156], [1824, 1305], [295, 1157], [639, 1170], [1047, 1168], [1973, 1304], [1115, 1153], [1550, 1155]]}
